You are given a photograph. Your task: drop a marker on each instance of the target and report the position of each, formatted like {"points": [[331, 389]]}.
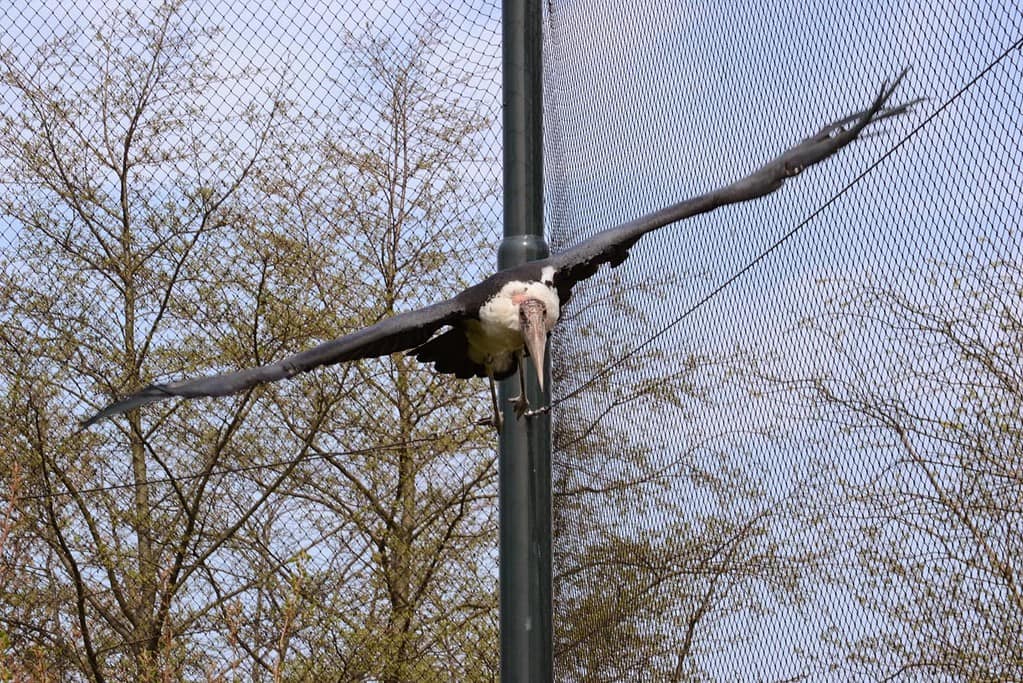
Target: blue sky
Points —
{"points": [[657, 104], [662, 100]]}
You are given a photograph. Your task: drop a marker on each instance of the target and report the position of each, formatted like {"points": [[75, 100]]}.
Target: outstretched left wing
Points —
{"points": [[397, 333], [612, 245]]}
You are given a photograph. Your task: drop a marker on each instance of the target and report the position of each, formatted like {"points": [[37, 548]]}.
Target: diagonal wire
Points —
{"points": [[1018, 45], [621, 359]]}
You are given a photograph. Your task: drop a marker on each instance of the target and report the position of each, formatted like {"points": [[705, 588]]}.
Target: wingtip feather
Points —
{"points": [[143, 397]]}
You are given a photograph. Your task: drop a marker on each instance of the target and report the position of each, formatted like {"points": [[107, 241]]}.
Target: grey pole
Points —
{"points": [[525, 445]]}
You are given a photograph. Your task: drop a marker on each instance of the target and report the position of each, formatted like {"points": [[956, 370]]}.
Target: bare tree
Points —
{"points": [[935, 417], [659, 541]]}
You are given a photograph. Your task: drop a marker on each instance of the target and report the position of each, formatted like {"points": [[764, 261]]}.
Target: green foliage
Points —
{"points": [[165, 225]]}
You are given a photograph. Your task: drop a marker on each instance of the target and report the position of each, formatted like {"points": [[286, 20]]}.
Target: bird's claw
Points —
{"points": [[521, 405], [494, 422], [537, 411]]}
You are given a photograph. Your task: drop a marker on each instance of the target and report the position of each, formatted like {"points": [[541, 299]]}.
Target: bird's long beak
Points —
{"points": [[534, 332]]}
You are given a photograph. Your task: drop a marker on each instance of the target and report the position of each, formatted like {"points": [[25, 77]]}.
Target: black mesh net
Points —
{"points": [[787, 433], [190, 187], [811, 471]]}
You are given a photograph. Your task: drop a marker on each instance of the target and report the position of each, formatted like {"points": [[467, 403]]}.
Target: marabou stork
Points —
{"points": [[493, 324]]}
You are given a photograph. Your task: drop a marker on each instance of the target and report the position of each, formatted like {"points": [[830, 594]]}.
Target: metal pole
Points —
{"points": [[525, 445]]}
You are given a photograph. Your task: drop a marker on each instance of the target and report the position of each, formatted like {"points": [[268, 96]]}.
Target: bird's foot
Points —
{"points": [[521, 405], [496, 422], [537, 411]]}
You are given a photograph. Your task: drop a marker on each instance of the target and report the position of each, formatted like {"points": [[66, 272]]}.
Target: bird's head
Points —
{"points": [[532, 323]]}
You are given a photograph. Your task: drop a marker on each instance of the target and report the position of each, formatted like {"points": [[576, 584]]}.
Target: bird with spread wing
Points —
{"points": [[487, 329]]}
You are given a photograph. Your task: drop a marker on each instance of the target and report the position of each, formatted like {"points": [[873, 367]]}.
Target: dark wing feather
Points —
{"points": [[449, 353], [397, 333], [612, 245]]}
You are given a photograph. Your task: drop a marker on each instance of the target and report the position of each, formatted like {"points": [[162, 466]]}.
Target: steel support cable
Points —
{"points": [[762, 256]]}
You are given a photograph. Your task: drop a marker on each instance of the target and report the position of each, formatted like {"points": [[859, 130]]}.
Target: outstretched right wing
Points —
{"points": [[398, 333]]}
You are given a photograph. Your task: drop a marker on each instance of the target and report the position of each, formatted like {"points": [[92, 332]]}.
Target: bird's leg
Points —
{"points": [[493, 400], [520, 401], [496, 421]]}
